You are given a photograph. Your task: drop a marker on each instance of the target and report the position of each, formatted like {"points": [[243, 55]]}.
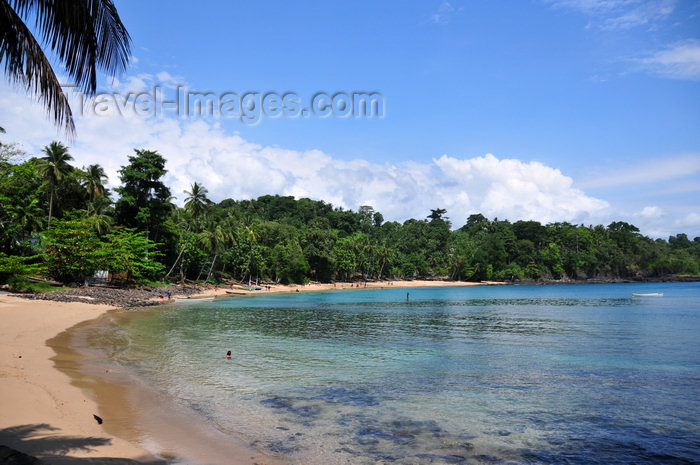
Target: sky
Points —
{"points": [[586, 111]]}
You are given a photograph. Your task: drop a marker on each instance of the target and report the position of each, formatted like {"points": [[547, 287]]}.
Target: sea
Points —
{"points": [[514, 374]]}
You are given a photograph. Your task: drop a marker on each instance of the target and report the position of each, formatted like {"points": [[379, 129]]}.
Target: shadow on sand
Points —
{"points": [[40, 440]]}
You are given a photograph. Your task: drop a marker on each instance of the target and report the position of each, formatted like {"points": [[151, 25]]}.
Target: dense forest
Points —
{"points": [[58, 221]]}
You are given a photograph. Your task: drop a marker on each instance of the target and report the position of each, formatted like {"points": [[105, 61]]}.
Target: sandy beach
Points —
{"points": [[212, 291], [43, 415], [46, 414]]}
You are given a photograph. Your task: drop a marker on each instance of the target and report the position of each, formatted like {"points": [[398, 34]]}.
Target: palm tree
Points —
{"points": [[197, 202], [28, 214], [94, 180], [96, 214], [53, 167], [247, 232], [83, 35], [215, 239]]}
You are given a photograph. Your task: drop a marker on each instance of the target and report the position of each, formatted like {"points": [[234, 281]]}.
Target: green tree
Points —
{"points": [[215, 239], [97, 214], [54, 167], [346, 260], [84, 35], [94, 179], [288, 262], [318, 246], [72, 251], [249, 237], [21, 205], [145, 199], [197, 202], [127, 251]]}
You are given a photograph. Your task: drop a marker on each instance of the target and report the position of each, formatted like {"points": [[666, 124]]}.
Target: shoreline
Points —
{"points": [[146, 296], [46, 414], [138, 411], [46, 411], [233, 291], [43, 413]]}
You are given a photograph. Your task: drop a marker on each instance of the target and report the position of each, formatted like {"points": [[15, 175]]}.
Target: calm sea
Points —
{"points": [[574, 374]]}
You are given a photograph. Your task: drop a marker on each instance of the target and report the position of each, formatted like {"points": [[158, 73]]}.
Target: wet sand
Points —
{"points": [[43, 414], [136, 411], [48, 413]]}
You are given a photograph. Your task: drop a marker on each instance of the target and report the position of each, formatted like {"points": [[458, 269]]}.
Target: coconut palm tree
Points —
{"points": [[215, 239], [83, 35], [53, 167], [247, 233], [197, 202], [97, 216], [94, 180]]}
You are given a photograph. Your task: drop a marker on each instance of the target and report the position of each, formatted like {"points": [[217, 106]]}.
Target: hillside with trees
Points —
{"points": [[60, 222]]}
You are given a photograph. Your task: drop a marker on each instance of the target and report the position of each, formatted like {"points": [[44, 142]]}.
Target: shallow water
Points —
{"points": [[577, 374]]}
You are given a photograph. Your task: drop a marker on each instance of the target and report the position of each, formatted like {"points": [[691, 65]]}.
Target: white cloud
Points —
{"points": [[647, 172], [444, 13], [620, 14], [691, 221], [662, 223], [230, 166], [510, 188], [650, 212], [681, 60]]}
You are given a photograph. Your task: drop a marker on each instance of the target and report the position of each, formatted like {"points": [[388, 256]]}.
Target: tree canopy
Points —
{"points": [[277, 238]]}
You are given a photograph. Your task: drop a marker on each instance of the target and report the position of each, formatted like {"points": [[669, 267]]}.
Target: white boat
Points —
{"points": [[651, 294], [193, 299]]}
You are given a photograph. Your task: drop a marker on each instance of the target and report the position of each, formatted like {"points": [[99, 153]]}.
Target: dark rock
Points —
{"points": [[119, 297]]}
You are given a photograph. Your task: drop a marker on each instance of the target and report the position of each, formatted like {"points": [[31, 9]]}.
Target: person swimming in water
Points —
{"points": [[228, 354]]}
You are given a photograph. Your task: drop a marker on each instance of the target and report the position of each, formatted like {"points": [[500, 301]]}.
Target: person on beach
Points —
{"points": [[228, 354]]}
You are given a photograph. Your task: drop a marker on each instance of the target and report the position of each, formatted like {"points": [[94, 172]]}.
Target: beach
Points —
{"points": [[44, 413]]}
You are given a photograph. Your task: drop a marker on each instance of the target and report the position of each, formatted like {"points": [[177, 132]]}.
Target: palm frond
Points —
{"points": [[86, 36], [27, 65]]}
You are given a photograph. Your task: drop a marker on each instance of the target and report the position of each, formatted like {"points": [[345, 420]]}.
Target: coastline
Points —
{"points": [[43, 413], [47, 412], [147, 296], [233, 291], [48, 415]]}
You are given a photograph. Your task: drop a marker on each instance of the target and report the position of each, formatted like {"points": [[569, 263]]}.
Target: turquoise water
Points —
{"points": [[576, 374]]}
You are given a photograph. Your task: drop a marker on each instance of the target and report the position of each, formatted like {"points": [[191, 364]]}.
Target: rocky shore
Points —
{"points": [[118, 297]]}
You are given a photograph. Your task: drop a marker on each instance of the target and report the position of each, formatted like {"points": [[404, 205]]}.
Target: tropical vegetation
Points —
{"points": [[60, 222]]}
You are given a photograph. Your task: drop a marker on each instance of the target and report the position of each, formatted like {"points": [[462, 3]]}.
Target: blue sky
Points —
{"points": [[557, 110]]}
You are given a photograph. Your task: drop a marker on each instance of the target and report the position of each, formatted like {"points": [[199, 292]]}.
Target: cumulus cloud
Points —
{"points": [[512, 188], [664, 222], [232, 167]]}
